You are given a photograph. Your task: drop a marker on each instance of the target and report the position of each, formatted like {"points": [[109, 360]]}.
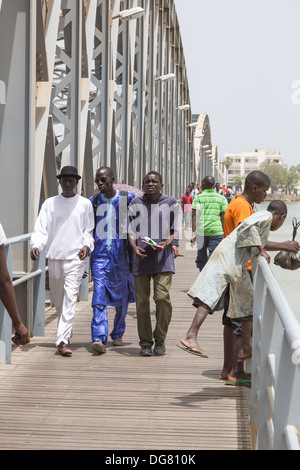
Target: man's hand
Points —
{"points": [[175, 249], [265, 255], [84, 252], [34, 254], [162, 245], [139, 252], [291, 246], [23, 335], [193, 240]]}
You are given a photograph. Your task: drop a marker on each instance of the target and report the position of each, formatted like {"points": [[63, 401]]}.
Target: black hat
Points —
{"points": [[69, 171]]}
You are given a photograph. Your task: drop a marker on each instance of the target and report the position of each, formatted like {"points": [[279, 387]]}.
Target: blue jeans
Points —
{"points": [[206, 245]]}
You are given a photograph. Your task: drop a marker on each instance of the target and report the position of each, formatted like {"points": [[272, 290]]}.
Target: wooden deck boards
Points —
{"points": [[121, 401]]}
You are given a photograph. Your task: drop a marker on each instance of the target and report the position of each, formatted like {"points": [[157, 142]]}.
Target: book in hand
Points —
{"points": [[150, 242]]}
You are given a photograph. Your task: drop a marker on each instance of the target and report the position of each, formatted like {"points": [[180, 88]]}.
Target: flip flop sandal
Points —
{"points": [[242, 383], [246, 373], [189, 350]]}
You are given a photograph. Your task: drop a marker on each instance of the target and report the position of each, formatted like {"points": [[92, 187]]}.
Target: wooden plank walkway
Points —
{"points": [[121, 401]]}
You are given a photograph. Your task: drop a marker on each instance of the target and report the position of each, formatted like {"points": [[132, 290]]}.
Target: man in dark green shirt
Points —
{"points": [[208, 211]]}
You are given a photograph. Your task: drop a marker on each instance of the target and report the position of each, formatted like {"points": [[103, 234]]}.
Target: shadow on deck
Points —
{"points": [[121, 401]]}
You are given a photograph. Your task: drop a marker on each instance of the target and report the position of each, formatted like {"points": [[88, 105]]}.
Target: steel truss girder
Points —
{"points": [[79, 87]]}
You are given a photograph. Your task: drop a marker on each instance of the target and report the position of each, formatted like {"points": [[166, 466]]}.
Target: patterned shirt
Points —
{"points": [[227, 264], [209, 205]]}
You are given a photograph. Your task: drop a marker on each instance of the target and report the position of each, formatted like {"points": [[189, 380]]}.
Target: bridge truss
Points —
{"points": [[82, 85]]}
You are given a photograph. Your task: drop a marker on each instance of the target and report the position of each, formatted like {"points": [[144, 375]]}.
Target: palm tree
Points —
{"points": [[227, 162]]}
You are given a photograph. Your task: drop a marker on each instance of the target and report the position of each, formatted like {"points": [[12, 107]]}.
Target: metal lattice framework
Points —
{"points": [[206, 159], [81, 85]]}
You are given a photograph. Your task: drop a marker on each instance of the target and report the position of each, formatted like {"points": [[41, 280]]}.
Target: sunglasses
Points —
{"points": [[102, 180]]}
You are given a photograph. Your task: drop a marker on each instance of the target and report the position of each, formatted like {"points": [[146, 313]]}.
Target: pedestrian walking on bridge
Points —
{"points": [[64, 228]]}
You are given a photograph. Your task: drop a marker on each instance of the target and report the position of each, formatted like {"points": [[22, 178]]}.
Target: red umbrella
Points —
{"points": [[128, 188]]}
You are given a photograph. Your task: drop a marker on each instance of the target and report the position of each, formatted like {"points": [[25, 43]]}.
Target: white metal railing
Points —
{"points": [[274, 396], [33, 308]]}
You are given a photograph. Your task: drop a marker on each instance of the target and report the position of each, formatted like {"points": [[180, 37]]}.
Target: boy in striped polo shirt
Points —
{"points": [[209, 208]]}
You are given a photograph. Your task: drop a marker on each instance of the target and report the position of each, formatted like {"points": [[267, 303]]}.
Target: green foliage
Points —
{"points": [[292, 180], [227, 162], [281, 178], [295, 169], [237, 181]]}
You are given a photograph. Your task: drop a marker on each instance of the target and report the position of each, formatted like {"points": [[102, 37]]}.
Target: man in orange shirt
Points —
{"points": [[257, 184]]}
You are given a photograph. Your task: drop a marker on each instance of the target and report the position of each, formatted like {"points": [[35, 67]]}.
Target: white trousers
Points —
{"points": [[65, 278]]}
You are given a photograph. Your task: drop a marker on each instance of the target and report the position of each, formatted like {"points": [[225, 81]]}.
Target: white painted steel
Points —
{"points": [[79, 86], [32, 312], [274, 406], [88, 96]]}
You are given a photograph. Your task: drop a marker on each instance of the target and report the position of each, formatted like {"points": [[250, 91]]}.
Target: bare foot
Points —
{"points": [[239, 377], [192, 346], [224, 375], [239, 382]]}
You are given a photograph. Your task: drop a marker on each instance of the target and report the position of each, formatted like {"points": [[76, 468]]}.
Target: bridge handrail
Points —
{"points": [[18, 239], [274, 400], [35, 293], [32, 274], [35, 299]]}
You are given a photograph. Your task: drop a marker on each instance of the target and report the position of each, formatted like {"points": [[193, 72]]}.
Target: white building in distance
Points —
{"points": [[249, 160]]}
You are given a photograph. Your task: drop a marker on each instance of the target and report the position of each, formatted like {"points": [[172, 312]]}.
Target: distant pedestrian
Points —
{"points": [[229, 194], [194, 190], [208, 211], [64, 227], [186, 208], [219, 190]]}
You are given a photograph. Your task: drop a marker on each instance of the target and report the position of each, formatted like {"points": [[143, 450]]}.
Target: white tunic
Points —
{"points": [[63, 227]]}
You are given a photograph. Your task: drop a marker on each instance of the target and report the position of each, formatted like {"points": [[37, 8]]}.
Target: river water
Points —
{"points": [[289, 281]]}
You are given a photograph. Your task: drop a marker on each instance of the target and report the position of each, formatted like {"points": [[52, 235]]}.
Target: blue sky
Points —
{"points": [[243, 60]]}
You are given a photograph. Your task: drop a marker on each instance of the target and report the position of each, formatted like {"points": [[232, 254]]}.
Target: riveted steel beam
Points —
{"points": [[80, 85]]}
